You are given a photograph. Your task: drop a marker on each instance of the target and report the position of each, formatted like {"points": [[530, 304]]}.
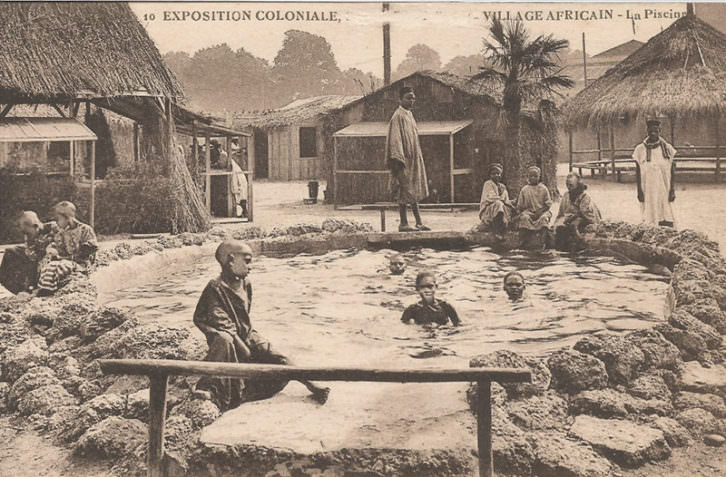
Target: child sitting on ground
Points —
{"points": [[533, 204], [73, 249], [429, 310]]}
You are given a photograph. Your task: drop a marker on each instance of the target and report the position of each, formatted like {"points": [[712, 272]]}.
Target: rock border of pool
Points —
{"points": [[607, 402]]}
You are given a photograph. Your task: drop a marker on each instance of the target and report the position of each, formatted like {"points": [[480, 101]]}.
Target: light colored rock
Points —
{"points": [[650, 386], [548, 411], [622, 358], [696, 378], [23, 357], [508, 359], [573, 371], [659, 353], [607, 403], [558, 456], [710, 402], [714, 440], [112, 437], [675, 434], [201, 412], [626, 443], [137, 405], [513, 453], [106, 405], [687, 322], [32, 379], [44, 400], [698, 421]]}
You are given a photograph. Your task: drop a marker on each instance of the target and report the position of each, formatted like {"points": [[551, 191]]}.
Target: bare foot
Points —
{"points": [[422, 228], [321, 395]]}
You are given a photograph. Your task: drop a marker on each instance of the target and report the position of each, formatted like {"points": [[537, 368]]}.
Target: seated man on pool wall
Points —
{"points": [[222, 314], [429, 310]]}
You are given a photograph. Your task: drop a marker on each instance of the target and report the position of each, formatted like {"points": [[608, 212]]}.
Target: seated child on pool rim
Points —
{"points": [[429, 310], [222, 314]]}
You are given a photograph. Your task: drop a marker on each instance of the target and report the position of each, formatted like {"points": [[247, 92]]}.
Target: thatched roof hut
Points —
{"points": [[297, 111], [680, 72], [59, 51]]}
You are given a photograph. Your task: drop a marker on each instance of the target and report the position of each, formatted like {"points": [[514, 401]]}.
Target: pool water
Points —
{"points": [[344, 308]]}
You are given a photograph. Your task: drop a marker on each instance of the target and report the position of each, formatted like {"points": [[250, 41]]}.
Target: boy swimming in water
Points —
{"points": [[514, 285], [430, 309], [397, 264]]}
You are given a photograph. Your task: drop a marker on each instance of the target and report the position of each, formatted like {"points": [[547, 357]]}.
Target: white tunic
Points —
{"points": [[655, 179]]}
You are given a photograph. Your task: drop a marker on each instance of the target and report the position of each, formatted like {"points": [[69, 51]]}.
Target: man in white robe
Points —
{"points": [[655, 169], [404, 159]]}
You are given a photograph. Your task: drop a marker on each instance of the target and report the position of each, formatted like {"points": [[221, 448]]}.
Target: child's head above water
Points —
{"points": [[397, 264], [426, 286], [514, 285]]}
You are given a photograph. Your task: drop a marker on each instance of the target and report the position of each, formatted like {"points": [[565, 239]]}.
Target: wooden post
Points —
{"points": [[137, 148], [451, 167], [612, 149], [157, 420], [6, 110], [584, 59], [208, 170], [599, 146], [718, 150], [92, 207], [250, 176], [71, 159], [335, 173], [671, 120], [569, 140], [383, 220], [484, 429]]}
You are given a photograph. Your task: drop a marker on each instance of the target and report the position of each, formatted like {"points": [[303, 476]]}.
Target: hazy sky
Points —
{"points": [[356, 39]]}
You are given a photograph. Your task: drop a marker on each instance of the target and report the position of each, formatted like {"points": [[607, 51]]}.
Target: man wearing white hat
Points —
{"points": [[655, 170]]}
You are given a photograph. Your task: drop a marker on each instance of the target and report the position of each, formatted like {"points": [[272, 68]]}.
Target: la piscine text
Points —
{"points": [[243, 15], [582, 15]]}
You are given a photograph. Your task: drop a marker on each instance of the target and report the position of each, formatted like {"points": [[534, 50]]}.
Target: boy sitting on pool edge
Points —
{"points": [[429, 310]]}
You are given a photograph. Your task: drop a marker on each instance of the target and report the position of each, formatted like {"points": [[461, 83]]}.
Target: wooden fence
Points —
{"points": [[159, 371]]}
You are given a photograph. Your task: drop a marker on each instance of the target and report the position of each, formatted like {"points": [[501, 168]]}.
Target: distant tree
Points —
{"points": [[305, 66], [356, 82], [211, 79], [464, 65], [178, 62], [527, 71], [254, 82], [418, 58]]}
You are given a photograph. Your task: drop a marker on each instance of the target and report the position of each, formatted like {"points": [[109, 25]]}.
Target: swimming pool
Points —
{"points": [[344, 308]]}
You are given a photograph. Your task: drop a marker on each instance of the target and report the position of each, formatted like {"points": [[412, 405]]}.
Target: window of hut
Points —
{"points": [[59, 153], [308, 143]]}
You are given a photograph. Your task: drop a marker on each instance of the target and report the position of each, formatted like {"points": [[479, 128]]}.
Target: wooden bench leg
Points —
{"points": [[383, 220], [484, 429], [157, 420]]}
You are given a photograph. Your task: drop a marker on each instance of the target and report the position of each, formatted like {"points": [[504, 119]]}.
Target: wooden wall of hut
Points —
{"points": [[283, 152], [477, 146]]}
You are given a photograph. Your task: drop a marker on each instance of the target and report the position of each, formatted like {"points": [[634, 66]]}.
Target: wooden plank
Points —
{"points": [[137, 148], [335, 173], [460, 172], [718, 150], [157, 421], [71, 158], [6, 110], [383, 220], [451, 168], [362, 172], [484, 429], [443, 205], [251, 176], [234, 370], [293, 153], [612, 149]]}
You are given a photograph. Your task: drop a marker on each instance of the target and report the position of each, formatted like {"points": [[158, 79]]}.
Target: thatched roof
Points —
{"points": [[622, 50], [295, 112], [466, 85], [63, 50], [679, 72]]}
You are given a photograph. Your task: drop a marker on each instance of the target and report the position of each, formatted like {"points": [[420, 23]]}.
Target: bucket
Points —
{"points": [[313, 189]]}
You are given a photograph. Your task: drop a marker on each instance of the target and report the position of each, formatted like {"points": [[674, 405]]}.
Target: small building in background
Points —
{"points": [[290, 141]]}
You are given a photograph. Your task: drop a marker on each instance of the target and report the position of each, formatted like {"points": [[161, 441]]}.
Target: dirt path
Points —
{"points": [[694, 461], [27, 453]]}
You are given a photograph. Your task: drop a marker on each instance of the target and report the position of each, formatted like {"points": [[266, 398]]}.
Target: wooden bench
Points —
{"points": [[384, 206], [626, 164], [159, 371]]}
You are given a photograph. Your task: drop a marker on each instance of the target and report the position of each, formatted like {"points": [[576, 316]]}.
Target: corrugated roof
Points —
{"points": [[425, 128], [43, 129]]}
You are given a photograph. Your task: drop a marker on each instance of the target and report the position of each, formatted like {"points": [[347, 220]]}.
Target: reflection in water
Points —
{"points": [[344, 307]]}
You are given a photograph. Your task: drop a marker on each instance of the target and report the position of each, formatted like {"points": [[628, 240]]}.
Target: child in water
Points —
{"points": [[397, 264], [430, 309]]}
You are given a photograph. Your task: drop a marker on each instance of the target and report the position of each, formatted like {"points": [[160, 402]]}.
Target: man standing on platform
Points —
{"points": [[404, 159], [655, 170]]}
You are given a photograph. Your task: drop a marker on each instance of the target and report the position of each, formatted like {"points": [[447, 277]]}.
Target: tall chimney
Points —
{"points": [[690, 10], [386, 49]]}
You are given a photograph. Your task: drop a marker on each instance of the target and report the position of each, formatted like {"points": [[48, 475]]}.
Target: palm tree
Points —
{"points": [[528, 71]]}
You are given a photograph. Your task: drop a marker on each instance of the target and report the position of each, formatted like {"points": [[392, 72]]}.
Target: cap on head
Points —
{"points": [[404, 91], [496, 167], [534, 169], [229, 247], [652, 122], [66, 209]]}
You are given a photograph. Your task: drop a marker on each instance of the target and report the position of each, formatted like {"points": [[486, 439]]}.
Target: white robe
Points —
{"points": [[239, 183], [655, 179]]}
